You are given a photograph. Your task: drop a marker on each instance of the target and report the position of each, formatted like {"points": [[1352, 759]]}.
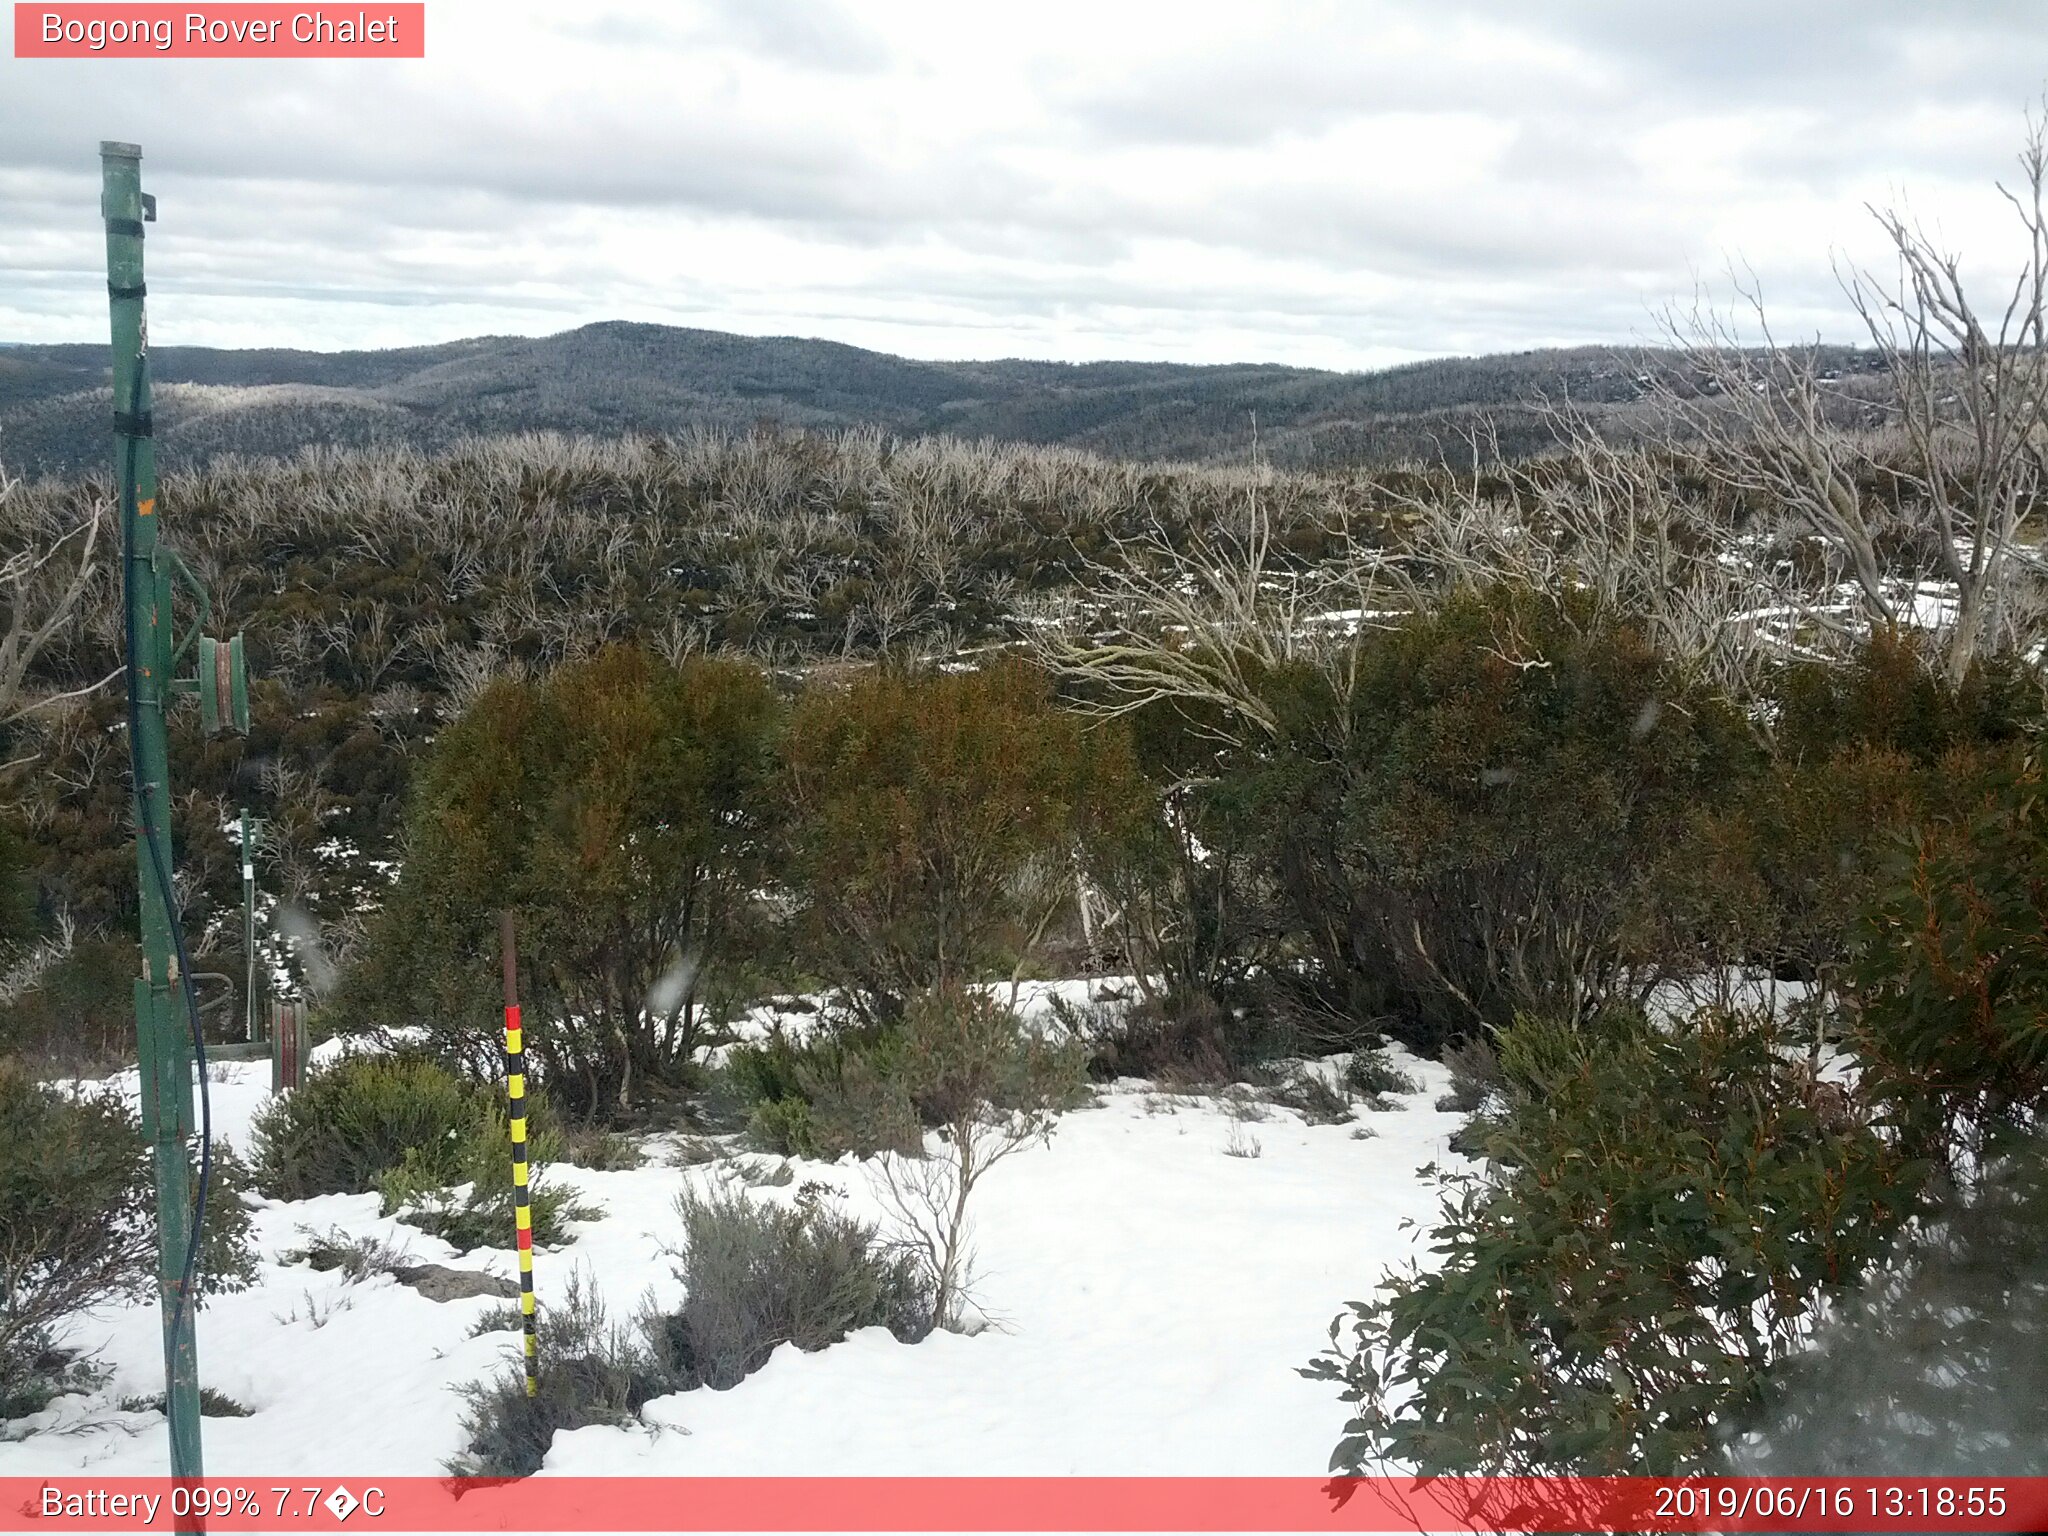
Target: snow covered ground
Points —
{"points": [[1156, 1293]]}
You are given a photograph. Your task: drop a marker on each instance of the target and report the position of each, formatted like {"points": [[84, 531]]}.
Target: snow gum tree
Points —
{"points": [[619, 806]]}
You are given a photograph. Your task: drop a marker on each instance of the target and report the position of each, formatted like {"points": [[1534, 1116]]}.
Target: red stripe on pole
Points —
{"points": [[1113, 1504], [526, 1237]]}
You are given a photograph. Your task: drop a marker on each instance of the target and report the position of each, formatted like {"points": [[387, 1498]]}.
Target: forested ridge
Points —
{"points": [[616, 378]]}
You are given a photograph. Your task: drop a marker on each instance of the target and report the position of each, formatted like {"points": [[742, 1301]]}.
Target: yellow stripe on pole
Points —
{"points": [[515, 1093]]}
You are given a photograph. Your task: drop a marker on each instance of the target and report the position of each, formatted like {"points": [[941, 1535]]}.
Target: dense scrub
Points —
{"points": [[1637, 1278], [1510, 807], [728, 719], [621, 809], [407, 1128], [935, 827], [1662, 1214], [381, 591], [76, 1230]]}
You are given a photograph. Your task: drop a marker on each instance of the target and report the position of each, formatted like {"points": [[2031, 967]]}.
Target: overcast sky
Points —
{"points": [[1346, 184]]}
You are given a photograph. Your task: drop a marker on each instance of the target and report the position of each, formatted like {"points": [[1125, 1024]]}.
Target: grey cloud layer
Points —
{"points": [[1356, 181]]}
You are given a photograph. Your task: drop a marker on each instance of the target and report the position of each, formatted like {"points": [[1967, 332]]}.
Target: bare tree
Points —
{"points": [[45, 573], [994, 1091], [1966, 397], [1630, 528], [1206, 619]]}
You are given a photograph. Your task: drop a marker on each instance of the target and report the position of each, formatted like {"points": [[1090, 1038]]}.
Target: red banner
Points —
{"points": [[1060, 1504], [246, 31]]}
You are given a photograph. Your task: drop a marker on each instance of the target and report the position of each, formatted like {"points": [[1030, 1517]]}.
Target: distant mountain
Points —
{"points": [[616, 377]]}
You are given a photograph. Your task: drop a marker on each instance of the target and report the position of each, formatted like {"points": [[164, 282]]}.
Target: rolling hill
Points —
{"points": [[617, 377]]}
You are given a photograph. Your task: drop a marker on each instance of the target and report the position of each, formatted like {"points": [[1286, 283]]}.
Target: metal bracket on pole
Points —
{"points": [[223, 687]]}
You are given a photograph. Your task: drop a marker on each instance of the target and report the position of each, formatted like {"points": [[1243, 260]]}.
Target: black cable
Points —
{"points": [[166, 891]]}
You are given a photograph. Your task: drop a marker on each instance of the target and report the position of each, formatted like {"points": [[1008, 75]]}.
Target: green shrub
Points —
{"points": [[769, 1082], [764, 1071], [1370, 1075], [1951, 979], [757, 1275], [78, 1019], [34, 1374], [480, 1156], [933, 823], [1179, 1040], [1171, 844], [783, 1127], [1663, 1216], [619, 807], [212, 1405], [837, 1092], [227, 1258], [1937, 1363], [1508, 809], [357, 1258], [354, 1120], [1889, 700], [485, 1215], [1307, 1093], [18, 926], [77, 1227], [1859, 753], [1475, 1076], [408, 1128]]}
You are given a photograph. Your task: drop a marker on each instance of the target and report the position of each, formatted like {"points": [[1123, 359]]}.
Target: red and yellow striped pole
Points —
{"points": [[515, 1088]]}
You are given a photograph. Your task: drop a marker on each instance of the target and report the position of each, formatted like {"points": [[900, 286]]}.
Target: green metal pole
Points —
{"points": [[161, 1026], [249, 923]]}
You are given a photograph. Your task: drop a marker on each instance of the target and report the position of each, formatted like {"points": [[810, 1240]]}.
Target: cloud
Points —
{"points": [[1345, 182]]}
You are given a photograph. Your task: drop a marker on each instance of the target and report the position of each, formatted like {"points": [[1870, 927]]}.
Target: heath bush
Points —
{"points": [[757, 1275], [78, 1227], [356, 1119], [1664, 1214]]}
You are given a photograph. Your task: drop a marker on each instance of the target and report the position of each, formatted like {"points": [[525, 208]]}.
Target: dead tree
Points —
{"points": [[1965, 392], [45, 574]]}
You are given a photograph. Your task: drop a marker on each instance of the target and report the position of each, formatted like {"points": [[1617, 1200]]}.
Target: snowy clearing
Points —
{"points": [[1155, 1295]]}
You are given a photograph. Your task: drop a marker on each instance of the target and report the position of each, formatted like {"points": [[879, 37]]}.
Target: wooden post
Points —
{"points": [[287, 1045]]}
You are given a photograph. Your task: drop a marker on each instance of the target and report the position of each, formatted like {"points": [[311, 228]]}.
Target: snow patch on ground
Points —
{"points": [[1155, 1296]]}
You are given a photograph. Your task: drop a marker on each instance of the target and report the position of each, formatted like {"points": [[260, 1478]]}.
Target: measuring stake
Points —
{"points": [[522, 1211]]}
